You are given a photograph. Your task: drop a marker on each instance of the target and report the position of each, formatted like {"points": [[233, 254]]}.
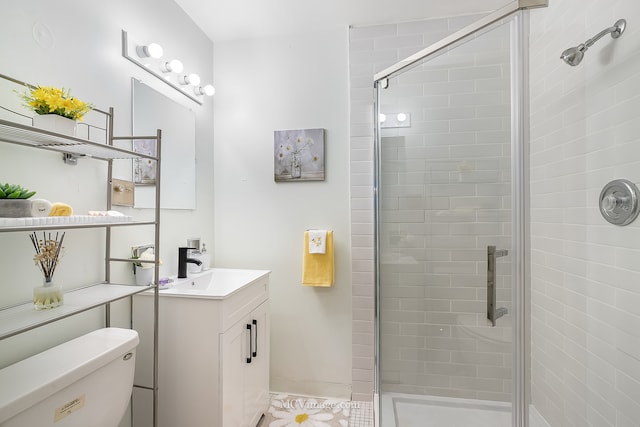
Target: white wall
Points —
{"points": [[80, 49], [277, 84], [585, 301]]}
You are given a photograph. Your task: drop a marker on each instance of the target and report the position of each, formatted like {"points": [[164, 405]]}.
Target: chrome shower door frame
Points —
{"points": [[516, 10]]}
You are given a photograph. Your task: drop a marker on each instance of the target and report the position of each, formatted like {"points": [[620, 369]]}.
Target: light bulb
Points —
{"points": [[207, 90], [382, 118], [152, 50], [191, 79], [173, 66], [401, 117], [194, 79]]}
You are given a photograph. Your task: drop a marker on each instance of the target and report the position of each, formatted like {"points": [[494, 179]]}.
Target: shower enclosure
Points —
{"points": [[451, 230]]}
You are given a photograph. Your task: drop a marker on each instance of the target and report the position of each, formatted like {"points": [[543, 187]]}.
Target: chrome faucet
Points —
{"points": [[183, 260]]}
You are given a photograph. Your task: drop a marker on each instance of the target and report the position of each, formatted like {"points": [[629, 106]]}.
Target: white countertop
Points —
{"points": [[215, 283]]}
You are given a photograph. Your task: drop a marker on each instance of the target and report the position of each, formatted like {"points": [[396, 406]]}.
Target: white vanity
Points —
{"points": [[213, 350]]}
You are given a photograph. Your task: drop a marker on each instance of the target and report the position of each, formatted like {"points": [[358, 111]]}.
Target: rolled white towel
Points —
{"points": [[40, 207]]}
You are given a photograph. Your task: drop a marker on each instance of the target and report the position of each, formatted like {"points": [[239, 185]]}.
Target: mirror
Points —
{"points": [[152, 111]]}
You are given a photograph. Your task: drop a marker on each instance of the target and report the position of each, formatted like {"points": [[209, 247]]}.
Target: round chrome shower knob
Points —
{"points": [[619, 202]]}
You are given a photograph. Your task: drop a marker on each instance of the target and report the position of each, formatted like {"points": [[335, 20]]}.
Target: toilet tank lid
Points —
{"points": [[39, 376]]}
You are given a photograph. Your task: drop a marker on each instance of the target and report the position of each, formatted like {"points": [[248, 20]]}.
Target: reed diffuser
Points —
{"points": [[48, 254]]}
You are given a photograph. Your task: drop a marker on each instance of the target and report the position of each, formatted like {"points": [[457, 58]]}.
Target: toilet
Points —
{"points": [[84, 382]]}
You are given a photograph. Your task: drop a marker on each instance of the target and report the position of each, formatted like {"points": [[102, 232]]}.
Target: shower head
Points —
{"points": [[573, 56]]}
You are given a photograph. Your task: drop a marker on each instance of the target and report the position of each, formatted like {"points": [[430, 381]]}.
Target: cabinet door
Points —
{"points": [[235, 352], [256, 372]]}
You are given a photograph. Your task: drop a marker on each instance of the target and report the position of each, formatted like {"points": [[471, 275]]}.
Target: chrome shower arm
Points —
{"points": [[615, 31], [573, 56]]}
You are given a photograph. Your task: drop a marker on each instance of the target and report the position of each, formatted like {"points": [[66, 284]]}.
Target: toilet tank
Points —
{"points": [[84, 382]]}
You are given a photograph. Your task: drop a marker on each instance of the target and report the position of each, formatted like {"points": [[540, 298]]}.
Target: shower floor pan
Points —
{"points": [[406, 410]]}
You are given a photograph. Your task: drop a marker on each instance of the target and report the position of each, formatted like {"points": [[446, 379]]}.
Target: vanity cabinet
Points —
{"points": [[244, 369], [213, 353]]}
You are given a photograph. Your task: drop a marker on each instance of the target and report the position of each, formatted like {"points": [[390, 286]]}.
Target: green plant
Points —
{"points": [[14, 191]]}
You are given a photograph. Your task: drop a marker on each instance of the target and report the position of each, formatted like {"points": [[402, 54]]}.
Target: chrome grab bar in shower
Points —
{"points": [[493, 313]]}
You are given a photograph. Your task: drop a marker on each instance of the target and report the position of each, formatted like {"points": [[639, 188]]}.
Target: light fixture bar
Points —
{"points": [[125, 52]]}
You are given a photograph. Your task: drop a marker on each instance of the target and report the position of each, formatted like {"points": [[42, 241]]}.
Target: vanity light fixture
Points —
{"points": [[152, 50], [173, 66], [382, 118], [149, 57]]}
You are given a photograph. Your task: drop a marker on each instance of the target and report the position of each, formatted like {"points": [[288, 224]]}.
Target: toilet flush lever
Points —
{"points": [[493, 313]]}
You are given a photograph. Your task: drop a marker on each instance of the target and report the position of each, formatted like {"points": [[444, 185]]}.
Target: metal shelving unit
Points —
{"points": [[21, 318]]}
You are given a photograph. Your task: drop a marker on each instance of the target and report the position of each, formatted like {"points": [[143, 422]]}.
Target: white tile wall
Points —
{"points": [[585, 274], [455, 115], [435, 185], [585, 316]]}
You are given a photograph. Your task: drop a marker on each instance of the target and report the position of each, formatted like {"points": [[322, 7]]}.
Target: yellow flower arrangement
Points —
{"points": [[52, 100]]}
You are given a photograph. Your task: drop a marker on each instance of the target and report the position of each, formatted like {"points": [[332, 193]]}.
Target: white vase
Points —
{"points": [[144, 276], [55, 123]]}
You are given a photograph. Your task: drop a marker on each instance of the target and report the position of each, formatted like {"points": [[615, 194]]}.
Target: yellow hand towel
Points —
{"points": [[60, 209], [318, 269]]}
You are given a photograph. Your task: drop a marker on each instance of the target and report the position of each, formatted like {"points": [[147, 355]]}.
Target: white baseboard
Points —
{"points": [[311, 388]]}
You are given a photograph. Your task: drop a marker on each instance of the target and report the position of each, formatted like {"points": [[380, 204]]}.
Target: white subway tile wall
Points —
{"points": [[585, 272], [457, 114], [438, 218]]}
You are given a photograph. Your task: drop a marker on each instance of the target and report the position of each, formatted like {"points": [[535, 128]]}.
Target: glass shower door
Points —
{"points": [[444, 238]]}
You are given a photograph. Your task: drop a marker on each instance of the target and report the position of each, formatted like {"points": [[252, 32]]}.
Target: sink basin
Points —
{"points": [[216, 283], [193, 281]]}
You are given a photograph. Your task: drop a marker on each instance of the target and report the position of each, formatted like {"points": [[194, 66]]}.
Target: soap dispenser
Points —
{"points": [[194, 252], [205, 258]]}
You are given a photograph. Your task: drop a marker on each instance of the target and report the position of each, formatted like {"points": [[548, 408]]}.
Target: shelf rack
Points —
{"points": [[17, 133], [21, 318]]}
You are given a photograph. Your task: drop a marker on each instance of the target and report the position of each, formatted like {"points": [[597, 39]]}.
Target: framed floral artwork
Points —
{"points": [[298, 155], [144, 170]]}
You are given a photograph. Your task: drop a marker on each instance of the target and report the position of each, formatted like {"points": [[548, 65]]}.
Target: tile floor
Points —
{"points": [[361, 415]]}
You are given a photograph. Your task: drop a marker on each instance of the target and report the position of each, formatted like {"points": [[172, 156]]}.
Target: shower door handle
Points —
{"points": [[493, 313]]}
